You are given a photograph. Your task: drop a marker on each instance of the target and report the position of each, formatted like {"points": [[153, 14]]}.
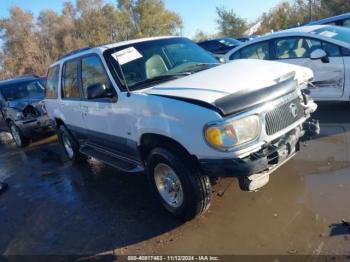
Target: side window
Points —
{"points": [[311, 45], [52, 82], [286, 48], [236, 55], [70, 87], [331, 49], [256, 51], [295, 47], [345, 51], [93, 73], [346, 23]]}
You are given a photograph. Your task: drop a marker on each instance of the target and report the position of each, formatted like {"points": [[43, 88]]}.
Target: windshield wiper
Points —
{"points": [[160, 78]]}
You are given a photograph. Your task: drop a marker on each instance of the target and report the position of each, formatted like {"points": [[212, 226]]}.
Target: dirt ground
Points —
{"points": [[54, 207]]}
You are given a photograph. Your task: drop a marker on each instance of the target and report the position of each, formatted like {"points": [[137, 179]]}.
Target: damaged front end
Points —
{"points": [[286, 123], [33, 119]]}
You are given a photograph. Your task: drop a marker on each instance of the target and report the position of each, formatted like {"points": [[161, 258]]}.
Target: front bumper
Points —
{"points": [[35, 126], [253, 171]]}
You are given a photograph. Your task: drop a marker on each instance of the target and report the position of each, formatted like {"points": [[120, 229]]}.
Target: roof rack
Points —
{"points": [[76, 51]]}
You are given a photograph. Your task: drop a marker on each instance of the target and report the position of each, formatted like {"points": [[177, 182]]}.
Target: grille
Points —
{"points": [[283, 116]]}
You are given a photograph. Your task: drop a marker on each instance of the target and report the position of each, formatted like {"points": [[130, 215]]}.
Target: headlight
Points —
{"points": [[226, 135]]}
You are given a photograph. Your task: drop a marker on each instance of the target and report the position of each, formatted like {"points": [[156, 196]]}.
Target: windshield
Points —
{"points": [[150, 62], [334, 32], [22, 90]]}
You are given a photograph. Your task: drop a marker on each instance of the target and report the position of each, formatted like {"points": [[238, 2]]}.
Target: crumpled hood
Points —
{"points": [[20, 104], [220, 81]]}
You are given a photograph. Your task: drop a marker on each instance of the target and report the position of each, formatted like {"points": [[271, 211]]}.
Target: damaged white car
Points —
{"points": [[324, 49], [165, 106]]}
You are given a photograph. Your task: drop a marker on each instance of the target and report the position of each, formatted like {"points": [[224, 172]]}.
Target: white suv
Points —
{"points": [[165, 106]]}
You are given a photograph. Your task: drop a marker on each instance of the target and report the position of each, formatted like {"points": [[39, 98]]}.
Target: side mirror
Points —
{"points": [[319, 54], [98, 90]]}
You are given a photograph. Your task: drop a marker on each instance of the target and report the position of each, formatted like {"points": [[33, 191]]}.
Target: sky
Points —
{"points": [[196, 14]]}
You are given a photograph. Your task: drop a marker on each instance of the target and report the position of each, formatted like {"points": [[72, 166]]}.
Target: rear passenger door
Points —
{"points": [[70, 104], [329, 78]]}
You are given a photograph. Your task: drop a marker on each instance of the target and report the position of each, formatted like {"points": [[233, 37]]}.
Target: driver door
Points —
{"points": [[329, 76], [105, 121]]}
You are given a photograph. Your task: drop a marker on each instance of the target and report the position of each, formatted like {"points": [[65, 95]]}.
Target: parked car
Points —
{"points": [[246, 38], [165, 106], [219, 46], [339, 20], [22, 108], [324, 49]]}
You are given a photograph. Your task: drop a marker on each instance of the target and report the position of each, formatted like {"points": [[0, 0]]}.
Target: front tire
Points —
{"points": [[20, 140], [179, 186], [69, 144]]}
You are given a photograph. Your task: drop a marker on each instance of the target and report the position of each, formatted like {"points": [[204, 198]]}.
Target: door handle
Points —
{"points": [[84, 110]]}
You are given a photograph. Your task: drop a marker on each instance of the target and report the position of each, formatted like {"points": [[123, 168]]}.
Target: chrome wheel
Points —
{"points": [[68, 146], [168, 185], [16, 136]]}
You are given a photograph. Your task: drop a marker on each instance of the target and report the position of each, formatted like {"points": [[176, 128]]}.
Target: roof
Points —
{"points": [[101, 48], [296, 30], [330, 19], [18, 80]]}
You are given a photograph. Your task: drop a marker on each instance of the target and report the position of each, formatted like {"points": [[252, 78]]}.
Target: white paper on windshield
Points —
{"points": [[328, 34], [126, 55]]}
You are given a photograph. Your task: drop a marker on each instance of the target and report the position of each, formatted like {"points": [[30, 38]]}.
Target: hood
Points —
{"points": [[228, 79], [20, 104]]}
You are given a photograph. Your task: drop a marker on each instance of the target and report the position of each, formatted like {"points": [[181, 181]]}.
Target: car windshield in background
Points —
{"points": [[22, 90], [334, 32], [151, 62]]}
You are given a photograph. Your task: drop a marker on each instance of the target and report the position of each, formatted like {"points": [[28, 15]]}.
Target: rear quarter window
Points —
{"points": [[52, 82]]}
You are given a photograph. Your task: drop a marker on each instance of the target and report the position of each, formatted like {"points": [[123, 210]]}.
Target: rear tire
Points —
{"points": [[70, 145], [180, 179], [17, 135]]}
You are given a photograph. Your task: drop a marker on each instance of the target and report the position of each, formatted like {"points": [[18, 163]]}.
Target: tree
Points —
{"points": [[335, 7], [229, 24], [30, 45], [201, 36], [21, 47], [276, 19], [145, 18]]}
